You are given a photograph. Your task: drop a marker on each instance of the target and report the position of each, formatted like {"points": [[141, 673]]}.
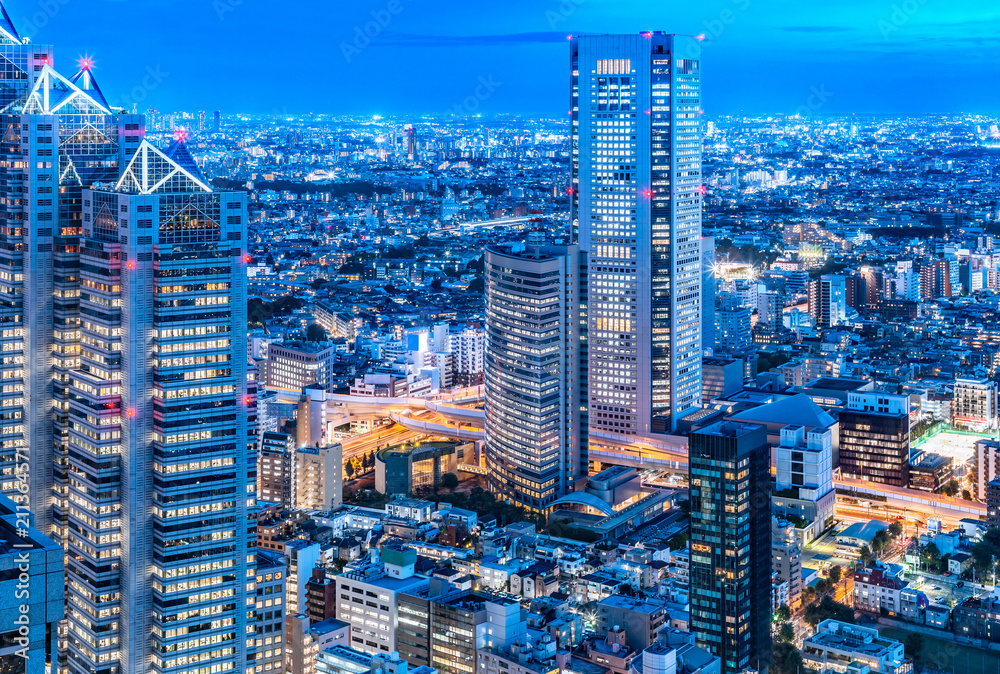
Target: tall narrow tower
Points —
{"points": [[636, 205], [731, 544], [59, 135], [535, 381], [161, 549]]}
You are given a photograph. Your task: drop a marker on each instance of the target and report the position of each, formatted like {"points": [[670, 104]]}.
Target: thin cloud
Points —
{"points": [[815, 29], [410, 40]]}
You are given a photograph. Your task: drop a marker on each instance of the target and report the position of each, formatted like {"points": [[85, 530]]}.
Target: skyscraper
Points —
{"points": [[123, 328], [60, 136], [731, 544], [828, 300], [636, 198], [535, 374], [160, 547]]}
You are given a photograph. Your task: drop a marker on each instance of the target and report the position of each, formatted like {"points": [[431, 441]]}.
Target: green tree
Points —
{"points": [[783, 614], [880, 541], [436, 284], [951, 488], [349, 469], [785, 659], [477, 285], [315, 333], [895, 528], [449, 481], [931, 556], [966, 494], [786, 632], [866, 555], [836, 573], [914, 643]]}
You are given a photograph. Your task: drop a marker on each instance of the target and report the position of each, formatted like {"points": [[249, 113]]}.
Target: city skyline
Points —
{"points": [[515, 50], [637, 387]]}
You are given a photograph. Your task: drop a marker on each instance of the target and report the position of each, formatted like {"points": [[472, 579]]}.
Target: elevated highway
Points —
{"points": [[448, 418]]}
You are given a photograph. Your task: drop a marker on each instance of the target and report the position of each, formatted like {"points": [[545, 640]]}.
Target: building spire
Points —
{"points": [[84, 79], [8, 34]]}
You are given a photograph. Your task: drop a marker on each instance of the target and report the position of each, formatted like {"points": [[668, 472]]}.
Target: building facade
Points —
{"points": [[61, 136], [30, 611], [636, 195], [274, 477], [270, 630], [295, 365], [875, 438], [319, 478], [828, 300], [730, 575], [535, 380], [163, 462], [975, 404]]}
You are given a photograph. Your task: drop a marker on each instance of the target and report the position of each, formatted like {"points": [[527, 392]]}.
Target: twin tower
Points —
{"points": [[126, 427]]}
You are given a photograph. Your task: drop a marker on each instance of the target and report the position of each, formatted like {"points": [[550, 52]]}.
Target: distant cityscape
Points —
{"points": [[636, 390]]}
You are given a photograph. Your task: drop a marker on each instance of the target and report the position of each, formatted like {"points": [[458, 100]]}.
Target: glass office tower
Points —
{"points": [[59, 135], [636, 208], [731, 544], [160, 550], [535, 375]]}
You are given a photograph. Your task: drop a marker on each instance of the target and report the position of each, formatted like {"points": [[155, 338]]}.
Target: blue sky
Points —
{"points": [[296, 56]]}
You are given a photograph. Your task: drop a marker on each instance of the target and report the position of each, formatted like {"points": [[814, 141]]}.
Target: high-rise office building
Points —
{"points": [[161, 546], [217, 124], [828, 300], [636, 198], [534, 375], [875, 438], [733, 324], [731, 544], [61, 136], [276, 468]]}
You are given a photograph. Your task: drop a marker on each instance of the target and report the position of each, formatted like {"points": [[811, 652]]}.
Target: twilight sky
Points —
{"points": [[295, 56]]}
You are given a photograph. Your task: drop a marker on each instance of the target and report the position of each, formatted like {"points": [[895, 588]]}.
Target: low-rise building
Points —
{"points": [[877, 588], [841, 647]]}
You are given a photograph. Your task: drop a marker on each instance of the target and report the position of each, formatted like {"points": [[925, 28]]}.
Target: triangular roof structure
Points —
{"points": [[54, 94], [179, 153], [85, 80], [151, 171], [8, 34]]}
